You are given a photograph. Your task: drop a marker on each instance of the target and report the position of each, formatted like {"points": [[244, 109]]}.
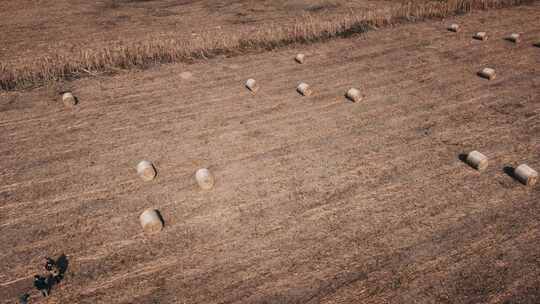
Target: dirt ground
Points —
{"points": [[30, 28], [317, 200]]}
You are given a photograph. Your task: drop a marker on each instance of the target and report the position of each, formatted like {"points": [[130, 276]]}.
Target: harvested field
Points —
{"points": [[316, 199], [68, 63]]}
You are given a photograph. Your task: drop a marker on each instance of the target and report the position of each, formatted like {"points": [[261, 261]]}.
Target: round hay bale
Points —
{"points": [[514, 37], [304, 89], [477, 160], [526, 175], [68, 99], [354, 95], [300, 58], [205, 179], [252, 85], [453, 28], [151, 221], [146, 170], [487, 73], [480, 36]]}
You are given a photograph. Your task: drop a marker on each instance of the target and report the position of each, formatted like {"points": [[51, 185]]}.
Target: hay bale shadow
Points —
{"points": [[513, 40], [160, 218], [510, 171]]}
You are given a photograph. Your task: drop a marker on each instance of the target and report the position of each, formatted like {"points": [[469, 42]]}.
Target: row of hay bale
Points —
{"points": [[477, 160], [151, 219], [303, 88], [514, 37], [352, 94], [523, 173], [489, 73]]}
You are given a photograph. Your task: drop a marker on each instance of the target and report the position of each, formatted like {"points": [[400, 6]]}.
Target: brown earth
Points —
{"points": [[318, 200], [30, 28]]}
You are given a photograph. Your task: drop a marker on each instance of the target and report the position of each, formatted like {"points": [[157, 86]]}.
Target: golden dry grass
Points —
{"points": [[307, 29]]}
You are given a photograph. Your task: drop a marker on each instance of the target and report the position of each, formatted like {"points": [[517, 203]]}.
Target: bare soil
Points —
{"points": [[317, 199]]}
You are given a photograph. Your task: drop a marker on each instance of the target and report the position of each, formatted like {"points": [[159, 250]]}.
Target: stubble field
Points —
{"points": [[317, 200]]}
